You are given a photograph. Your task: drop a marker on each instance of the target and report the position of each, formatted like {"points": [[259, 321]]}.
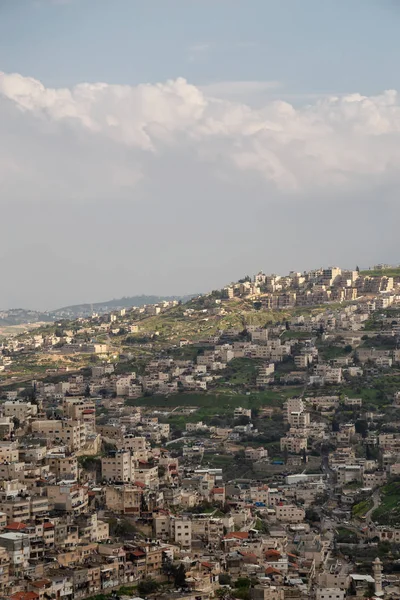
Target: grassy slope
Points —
{"points": [[388, 513], [173, 325], [218, 401], [391, 272]]}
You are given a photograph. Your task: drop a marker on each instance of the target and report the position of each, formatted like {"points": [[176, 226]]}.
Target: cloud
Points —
{"points": [[237, 89], [100, 138], [110, 190]]}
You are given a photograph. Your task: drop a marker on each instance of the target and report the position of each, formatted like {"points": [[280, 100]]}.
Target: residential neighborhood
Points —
{"points": [[242, 444]]}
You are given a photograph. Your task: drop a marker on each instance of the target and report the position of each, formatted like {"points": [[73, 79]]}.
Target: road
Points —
{"points": [[376, 502]]}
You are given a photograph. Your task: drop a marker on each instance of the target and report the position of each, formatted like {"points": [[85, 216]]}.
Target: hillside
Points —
{"points": [[199, 319], [82, 310], [389, 272], [20, 316]]}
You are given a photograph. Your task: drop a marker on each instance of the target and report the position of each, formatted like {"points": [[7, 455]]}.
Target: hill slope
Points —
{"points": [[81, 310]]}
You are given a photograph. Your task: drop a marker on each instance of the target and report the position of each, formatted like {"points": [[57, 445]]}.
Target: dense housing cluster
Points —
{"points": [[243, 444]]}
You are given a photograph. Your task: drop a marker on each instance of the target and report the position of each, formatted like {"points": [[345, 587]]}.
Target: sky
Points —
{"points": [[173, 146]]}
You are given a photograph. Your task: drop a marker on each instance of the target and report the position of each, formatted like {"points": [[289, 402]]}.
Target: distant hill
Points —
{"points": [[19, 316], [82, 310]]}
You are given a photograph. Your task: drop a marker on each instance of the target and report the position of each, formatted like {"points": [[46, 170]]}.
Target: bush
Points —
{"points": [[147, 586]]}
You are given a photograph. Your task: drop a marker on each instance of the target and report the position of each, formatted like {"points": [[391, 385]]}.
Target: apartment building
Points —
{"points": [[330, 594], [9, 451], [182, 532], [299, 419], [146, 475], [124, 499], [294, 405], [294, 443], [23, 411], [118, 466], [63, 467], [348, 473], [289, 513], [71, 433], [17, 546], [68, 497]]}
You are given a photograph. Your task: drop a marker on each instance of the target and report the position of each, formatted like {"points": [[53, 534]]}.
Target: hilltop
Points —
{"points": [[295, 306], [20, 316], [83, 310]]}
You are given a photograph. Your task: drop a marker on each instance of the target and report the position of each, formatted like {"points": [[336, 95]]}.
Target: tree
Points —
{"points": [[285, 454], [223, 593], [361, 427], [180, 577], [304, 456], [87, 391], [225, 579], [312, 515], [242, 582], [17, 423], [335, 425], [143, 504], [242, 420], [33, 394], [168, 567], [147, 586]]}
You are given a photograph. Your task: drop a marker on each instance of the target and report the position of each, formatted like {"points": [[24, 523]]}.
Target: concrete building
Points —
{"points": [[68, 432], [23, 411], [18, 549]]}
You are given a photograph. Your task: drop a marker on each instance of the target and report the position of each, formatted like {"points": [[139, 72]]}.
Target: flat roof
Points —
{"points": [[13, 536]]}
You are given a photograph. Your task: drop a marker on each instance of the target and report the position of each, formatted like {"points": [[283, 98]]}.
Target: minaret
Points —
{"points": [[377, 569]]}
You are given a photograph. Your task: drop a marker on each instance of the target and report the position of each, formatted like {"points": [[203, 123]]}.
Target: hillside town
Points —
{"points": [[243, 444]]}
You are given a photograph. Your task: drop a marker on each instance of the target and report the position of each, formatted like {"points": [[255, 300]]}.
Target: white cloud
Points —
{"points": [[97, 137], [235, 89]]}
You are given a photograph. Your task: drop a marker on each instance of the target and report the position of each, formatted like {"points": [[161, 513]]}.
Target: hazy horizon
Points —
{"points": [[174, 146]]}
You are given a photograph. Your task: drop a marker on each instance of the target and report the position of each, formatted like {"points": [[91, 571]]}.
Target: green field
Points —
{"points": [[330, 351], [220, 399], [241, 372]]}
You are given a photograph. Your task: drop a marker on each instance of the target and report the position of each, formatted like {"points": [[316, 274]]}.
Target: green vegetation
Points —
{"points": [[390, 272], [242, 588], [376, 391], [90, 463], [388, 512], [241, 372], [361, 509], [125, 590], [294, 334], [123, 527], [346, 536], [220, 399], [330, 351], [147, 586], [380, 342]]}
